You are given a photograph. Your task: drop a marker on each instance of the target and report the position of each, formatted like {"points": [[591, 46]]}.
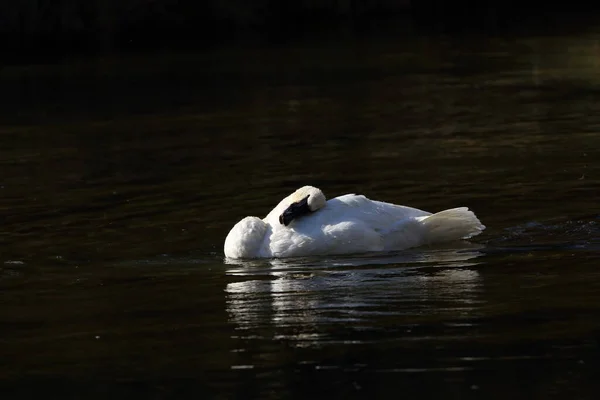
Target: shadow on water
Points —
{"points": [[311, 294]]}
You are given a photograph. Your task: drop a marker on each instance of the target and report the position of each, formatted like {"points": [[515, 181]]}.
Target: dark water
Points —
{"points": [[120, 177]]}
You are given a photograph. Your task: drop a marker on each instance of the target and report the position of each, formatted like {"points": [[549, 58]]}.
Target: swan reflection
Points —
{"points": [[305, 300]]}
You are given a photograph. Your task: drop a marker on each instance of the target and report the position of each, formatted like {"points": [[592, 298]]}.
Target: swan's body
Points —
{"points": [[305, 224]]}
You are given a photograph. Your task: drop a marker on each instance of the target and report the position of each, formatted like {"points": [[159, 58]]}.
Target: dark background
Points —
{"points": [[34, 30]]}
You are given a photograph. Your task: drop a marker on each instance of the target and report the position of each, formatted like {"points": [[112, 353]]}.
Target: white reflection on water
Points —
{"points": [[304, 300]]}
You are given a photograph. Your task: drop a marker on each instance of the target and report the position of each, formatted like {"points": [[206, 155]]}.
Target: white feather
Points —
{"points": [[345, 225]]}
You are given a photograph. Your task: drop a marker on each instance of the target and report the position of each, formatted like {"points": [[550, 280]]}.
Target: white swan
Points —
{"points": [[305, 224]]}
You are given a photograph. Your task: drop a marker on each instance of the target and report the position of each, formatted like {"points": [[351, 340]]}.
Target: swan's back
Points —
{"points": [[376, 214]]}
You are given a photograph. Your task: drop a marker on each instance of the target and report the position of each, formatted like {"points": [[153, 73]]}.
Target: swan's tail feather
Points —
{"points": [[453, 224]]}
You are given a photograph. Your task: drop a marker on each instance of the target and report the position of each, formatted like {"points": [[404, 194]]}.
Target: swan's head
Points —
{"points": [[303, 201]]}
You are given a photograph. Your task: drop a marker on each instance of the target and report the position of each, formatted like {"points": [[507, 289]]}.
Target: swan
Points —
{"points": [[306, 224]]}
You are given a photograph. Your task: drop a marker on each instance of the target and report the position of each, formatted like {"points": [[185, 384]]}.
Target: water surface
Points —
{"points": [[120, 178]]}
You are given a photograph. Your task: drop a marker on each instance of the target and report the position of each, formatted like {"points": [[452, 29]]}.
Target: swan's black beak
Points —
{"points": [[294, 211]]}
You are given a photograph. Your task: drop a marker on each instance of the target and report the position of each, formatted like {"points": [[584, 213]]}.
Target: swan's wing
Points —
{"points": [[308, 237], [398, 226], [378, 215], [347, 224], [351, 237], [286, 242], [404, 234]]}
